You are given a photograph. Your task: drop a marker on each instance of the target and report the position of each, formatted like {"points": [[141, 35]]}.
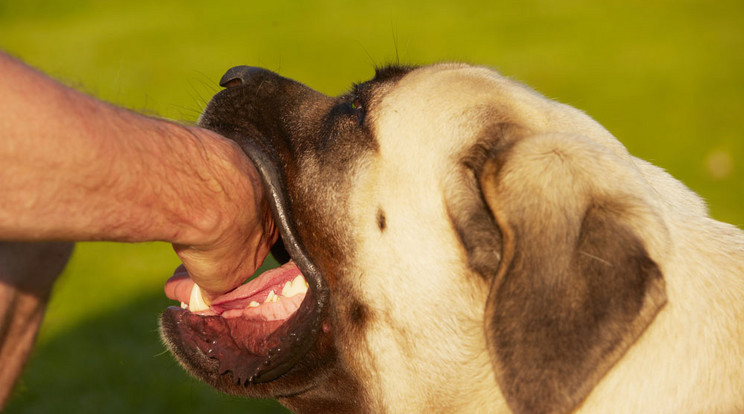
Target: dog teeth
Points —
{"points": [[294, 287], [272, 297], [197, 302]]}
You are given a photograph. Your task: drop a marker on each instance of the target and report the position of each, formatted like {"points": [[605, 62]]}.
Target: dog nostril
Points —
{"points": [[231, 83], [237, 75]]}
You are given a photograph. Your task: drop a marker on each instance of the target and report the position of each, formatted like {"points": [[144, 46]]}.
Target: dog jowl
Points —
{"points": [[452, 241]]}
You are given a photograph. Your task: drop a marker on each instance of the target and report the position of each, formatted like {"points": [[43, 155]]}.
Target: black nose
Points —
{"points": [[237, 75]]}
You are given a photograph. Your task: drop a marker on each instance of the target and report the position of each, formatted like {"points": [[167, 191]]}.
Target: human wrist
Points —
{"points": [[235, 236], [77, 168], [223, 186]]}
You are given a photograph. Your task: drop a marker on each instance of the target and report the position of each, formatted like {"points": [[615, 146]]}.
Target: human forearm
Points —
{"points": [[59, 147], [27, 273], [75, 168]]}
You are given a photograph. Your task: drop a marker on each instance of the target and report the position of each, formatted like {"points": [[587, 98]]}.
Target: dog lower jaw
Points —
{"points": [[239, 351]]}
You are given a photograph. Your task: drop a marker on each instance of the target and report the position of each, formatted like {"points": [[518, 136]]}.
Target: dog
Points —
{"points": [[466, 246]]}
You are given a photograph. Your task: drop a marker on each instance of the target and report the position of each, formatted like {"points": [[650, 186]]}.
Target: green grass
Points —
{"points": [[665, 77]]}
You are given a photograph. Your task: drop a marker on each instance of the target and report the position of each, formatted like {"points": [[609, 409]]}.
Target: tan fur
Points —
{"points": [[429, 352], [477, 248]]}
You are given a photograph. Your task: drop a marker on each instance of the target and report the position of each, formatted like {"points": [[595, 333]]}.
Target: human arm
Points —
{"points": [[75, 168], [27, 273]]}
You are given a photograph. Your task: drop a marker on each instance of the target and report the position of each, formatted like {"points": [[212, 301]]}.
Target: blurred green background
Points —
{"points": [[666, 77]]}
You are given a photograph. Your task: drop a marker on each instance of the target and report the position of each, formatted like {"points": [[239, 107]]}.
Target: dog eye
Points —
{"points": [[358, 107], [357, 103]]}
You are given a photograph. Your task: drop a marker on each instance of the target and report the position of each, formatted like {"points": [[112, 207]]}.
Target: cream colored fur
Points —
{"points": [[429, 353]]}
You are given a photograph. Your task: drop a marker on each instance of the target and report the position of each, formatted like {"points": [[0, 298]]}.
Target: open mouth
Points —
{"points": [[273, 296], [262, 329], [252, 334]]}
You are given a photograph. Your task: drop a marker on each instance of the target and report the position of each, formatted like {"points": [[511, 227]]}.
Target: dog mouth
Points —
{"points": [[272, 296], [261, 330], [254, 333]]}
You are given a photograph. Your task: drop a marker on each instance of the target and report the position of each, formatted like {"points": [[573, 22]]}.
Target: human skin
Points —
{"points": [[27, 273], [74, 168]]}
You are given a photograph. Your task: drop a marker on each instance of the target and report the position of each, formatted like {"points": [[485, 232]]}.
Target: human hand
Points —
{"points": [[239, 237], [93, 171]]}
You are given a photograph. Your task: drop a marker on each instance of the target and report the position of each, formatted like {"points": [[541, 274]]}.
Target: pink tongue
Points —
{"points": [[180, 285]]}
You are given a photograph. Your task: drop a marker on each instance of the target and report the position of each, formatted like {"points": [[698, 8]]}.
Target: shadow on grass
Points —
{"points": [[115, 363]]}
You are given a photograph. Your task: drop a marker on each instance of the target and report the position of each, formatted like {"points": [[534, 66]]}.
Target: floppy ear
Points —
{"points": [[575, 285]]}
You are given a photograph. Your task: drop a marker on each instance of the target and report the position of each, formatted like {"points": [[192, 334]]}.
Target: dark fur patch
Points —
{"points": [[472, 220], [381, 220], [391, 73], [358, 314], [559, 322], [574, 290]]}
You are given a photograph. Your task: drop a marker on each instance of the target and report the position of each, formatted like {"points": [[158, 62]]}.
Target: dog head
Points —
{"points": [[467, 243]]}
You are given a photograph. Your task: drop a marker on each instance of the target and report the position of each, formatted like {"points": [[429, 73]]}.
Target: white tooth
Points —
{"points": [[295, 287], [197, 302], [272, 297], [287, 289], [184, 305], [253, 304]]}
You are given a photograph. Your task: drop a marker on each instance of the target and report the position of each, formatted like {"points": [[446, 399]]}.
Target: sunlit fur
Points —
{"points": [[425, 348]]}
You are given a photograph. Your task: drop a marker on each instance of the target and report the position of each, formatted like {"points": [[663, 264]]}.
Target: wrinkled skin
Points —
{"points": [[27, 274]]}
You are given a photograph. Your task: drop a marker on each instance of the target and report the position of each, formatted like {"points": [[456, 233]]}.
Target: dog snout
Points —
{"points": [[238, 75]]}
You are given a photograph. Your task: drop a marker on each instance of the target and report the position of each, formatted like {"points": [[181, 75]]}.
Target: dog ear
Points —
{"points": [[574, 286]]}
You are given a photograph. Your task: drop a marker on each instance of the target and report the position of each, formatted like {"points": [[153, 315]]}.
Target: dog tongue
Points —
{"points": [[273, 295], [248, 321]]}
